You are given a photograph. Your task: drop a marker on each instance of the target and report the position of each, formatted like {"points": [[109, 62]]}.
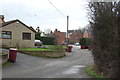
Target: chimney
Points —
{"points": [[56, 30], [2, 19]]}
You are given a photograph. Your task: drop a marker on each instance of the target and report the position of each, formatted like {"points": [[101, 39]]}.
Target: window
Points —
{"points": [[6, 34], [26, 36]]}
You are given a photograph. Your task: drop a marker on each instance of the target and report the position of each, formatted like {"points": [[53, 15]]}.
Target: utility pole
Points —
{"points": [[67, 28]]}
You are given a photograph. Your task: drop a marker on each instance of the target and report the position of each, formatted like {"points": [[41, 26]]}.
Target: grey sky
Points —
{"points": [[41, 13]]}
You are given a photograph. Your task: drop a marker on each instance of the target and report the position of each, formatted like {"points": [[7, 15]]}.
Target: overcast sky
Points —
{"points": [[41, 13]]}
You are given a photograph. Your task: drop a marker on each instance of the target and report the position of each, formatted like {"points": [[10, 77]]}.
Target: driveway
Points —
{"points": [[71, 66]]}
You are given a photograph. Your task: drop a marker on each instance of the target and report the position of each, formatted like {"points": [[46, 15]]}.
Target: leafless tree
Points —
{"points": [[104, 21]]}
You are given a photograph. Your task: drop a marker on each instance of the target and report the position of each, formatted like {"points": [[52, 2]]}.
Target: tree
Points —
{"points": [[85, 41], [104, 23], [38, 32]]}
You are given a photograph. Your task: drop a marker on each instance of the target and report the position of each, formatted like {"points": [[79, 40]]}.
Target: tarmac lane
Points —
{"points": [[71, 66]]}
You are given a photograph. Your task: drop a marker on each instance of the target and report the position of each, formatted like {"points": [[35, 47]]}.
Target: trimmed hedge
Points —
{"points": [[46, 40], [85, 41]]}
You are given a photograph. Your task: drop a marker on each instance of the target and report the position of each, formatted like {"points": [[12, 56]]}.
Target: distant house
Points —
{"points": [[43, 34], [60, 37], [70, 32], [16, 34], [85, 34], [75, 36]]}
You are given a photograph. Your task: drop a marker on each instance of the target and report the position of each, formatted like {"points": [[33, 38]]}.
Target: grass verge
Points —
{"points": [[54, 46], [36, 49], [49, 54], [7, 64], [89, 70]]}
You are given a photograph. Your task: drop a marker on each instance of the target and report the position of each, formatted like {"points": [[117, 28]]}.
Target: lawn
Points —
{"points": [[51, 51], [37, 49], [54, 46]]}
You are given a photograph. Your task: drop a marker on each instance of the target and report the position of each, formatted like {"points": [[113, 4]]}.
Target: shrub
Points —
{"points": [[46, 40], [85, 41], [105, 22]]}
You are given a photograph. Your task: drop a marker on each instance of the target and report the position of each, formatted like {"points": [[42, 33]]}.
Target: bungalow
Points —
{"points": [[16, 34]]}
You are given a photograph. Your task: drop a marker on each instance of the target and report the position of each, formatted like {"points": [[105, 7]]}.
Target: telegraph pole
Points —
{"points": [[67, 28]]}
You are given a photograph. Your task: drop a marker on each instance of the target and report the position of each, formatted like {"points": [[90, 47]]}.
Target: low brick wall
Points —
{"points": [[50, 54]]}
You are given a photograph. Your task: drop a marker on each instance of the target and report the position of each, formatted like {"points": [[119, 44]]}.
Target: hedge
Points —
{"points": [[85, 41], [46, 40]]}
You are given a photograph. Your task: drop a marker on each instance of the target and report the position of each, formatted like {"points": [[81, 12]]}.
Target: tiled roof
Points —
{"points": [[10, 22], [7, 23], [70, 31], [63, 32]]}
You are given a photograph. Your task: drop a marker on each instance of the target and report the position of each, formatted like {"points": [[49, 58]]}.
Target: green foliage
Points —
{"points": [[37, 35], [85, 41], [46, 40], [89, 70], [52, 46], [82, 41], [36, 49], [38, 32], [105, 22], [3, 53], [56, 46]]}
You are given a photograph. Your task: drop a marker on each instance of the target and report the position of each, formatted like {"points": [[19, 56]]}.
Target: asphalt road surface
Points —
{"points": [[71, 66]]}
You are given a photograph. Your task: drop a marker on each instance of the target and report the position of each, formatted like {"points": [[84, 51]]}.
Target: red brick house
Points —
{"points": [[60, 36], [85, 34], [75, 36]]}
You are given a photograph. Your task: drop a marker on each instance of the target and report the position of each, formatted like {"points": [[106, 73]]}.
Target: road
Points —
{"points": [[71, 66]]}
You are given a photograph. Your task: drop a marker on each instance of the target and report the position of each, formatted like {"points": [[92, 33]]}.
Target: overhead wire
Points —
{"points": [[56, 8]]}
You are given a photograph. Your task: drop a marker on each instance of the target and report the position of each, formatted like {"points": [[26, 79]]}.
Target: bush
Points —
{"points": [[85, 41], [46, 40], [105, 22]]}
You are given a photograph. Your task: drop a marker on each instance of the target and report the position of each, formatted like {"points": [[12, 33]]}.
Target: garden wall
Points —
{"points": [[51, 54]]}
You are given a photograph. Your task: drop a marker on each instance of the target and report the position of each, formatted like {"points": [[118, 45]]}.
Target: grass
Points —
{"points": [[64, 47], [7, 64], [36, 49], [89, 70], [41, 49], [54, 52], [53, 46], [3, 53]]}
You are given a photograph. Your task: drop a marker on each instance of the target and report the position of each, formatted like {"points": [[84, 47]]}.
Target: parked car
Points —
{"points": [[64, 43], [76, 44], [38, 43]]}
